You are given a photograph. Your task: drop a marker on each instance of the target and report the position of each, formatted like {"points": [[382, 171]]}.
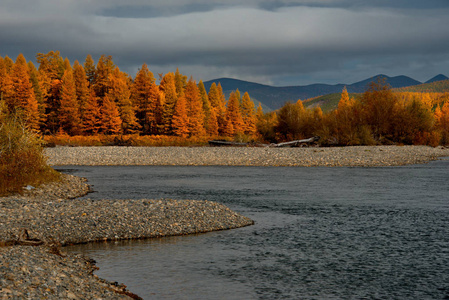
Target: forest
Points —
{"points": [[96, 103]]}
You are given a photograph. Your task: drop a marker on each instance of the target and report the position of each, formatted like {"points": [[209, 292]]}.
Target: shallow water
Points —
{"points": [[320, 233]]}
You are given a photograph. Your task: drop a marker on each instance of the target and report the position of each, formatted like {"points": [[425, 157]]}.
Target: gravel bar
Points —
{"points": [[52, 217], [359, 156], [34, 226]]}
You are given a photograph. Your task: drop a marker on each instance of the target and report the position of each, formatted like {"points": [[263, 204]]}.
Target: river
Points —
{"points": [[320, 233]]}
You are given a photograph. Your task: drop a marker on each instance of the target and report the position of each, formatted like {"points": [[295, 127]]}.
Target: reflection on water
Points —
{"points": [[320, 233]]}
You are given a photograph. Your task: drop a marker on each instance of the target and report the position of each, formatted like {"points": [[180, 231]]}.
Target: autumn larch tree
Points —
{"points": [[89, 68], [38, 93], [346, 127], [110, 117], [119, 93], [212, 124], [248, 115], [51, 64], [81, 86], [221, 110], [442, 122], [206, 104], [51, 70], [146, 99], [105, 66], [23, 93], [233, 115], [6, 89], [180, 122], [91, 122], [9, 63], [68, 112], [168, 87], [180, 83], [217, 103], [194, 109]]}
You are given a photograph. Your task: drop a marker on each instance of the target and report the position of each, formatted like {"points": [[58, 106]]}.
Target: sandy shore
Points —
{"points": [[364, 156]]}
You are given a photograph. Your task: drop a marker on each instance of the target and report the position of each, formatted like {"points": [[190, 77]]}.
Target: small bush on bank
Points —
{"points": [[21, 157]]}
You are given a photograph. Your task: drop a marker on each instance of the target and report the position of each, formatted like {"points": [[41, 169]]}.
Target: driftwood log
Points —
{"points": [[295, 143]]}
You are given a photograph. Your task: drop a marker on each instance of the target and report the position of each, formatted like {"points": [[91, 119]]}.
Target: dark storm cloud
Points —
{"points": [[281, 42]]}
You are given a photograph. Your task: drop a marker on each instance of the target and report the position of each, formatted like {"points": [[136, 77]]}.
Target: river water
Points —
{"points": [[320, 233]]}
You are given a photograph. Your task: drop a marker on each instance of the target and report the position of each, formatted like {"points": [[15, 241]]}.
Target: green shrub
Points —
{"points": [[22, 161]]}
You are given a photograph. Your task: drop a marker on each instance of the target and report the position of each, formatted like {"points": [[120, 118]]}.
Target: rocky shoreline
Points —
{"points": [[359, 156], [53, 218]]}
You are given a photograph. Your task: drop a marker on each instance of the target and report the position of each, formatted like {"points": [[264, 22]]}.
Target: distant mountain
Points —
{"points": [[394, 82], [439, 77], [273, 97]]}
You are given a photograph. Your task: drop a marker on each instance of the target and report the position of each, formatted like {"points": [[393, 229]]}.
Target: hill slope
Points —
{"points": [[432, 87], [327, 102]]}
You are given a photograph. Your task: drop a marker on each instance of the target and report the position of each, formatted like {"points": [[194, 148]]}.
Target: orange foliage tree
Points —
{"points": [[168, 88], [119, 93], [233, 115], [442, 123], [195, 112], [248, 115], [180, 122], [22, 94], [379, 103], [110, 117], [146, 98], [206, 104], [81, 86], [68, 110], [91, 122]]}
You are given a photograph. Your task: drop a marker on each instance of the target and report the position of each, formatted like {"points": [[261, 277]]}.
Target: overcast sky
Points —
{"points": [[281, 42]]}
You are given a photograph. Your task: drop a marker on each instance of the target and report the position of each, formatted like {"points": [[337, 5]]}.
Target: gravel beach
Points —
{"points": [[360, 156], [33, 264]]}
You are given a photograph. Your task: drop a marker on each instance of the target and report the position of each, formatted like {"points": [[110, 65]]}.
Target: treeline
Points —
{"points": [[378, 116], [90, 99], [87, 101]]}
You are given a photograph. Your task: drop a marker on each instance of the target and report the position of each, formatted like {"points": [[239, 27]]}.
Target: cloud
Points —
{"points": [[280, 42]]}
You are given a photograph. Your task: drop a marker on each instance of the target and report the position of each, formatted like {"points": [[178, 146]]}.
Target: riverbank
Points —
{"points": [[360, 156], [50, 215]]}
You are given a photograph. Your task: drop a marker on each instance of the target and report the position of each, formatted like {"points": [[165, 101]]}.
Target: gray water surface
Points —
{"points": [[320, 233]]}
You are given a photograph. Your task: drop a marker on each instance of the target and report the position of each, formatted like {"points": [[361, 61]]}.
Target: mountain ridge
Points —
{"points": [[274, 97]]}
